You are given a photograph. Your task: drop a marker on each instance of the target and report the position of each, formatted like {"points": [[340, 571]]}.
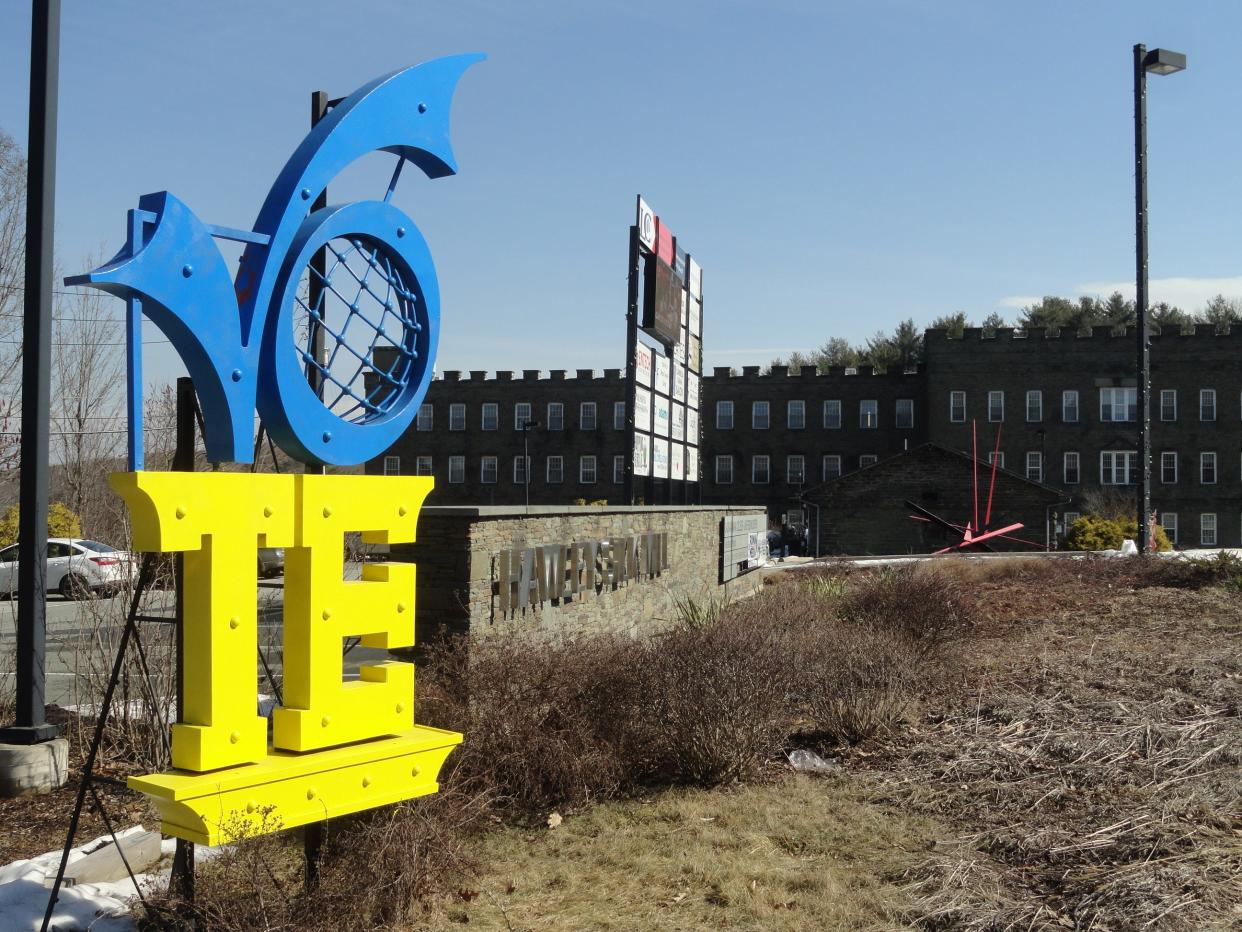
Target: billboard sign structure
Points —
{"points": [[664, 363]]}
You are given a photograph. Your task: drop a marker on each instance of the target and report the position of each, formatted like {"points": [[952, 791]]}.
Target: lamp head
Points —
{"points": [[1163, 61]]}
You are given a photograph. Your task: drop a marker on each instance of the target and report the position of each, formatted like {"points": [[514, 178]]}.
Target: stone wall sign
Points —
{"points": [[530, 576]]}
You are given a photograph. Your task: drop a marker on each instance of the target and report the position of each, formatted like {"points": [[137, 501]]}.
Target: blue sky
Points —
{"points": [[835, 167]]}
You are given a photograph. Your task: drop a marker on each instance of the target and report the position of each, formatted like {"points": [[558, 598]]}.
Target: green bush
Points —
{"points": [[1096, 532], [61, 522]]}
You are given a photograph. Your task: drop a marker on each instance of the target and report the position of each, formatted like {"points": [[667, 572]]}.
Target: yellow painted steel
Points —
{"points": [[218, 520], [287, 789], [321, 610], [336, 746]]}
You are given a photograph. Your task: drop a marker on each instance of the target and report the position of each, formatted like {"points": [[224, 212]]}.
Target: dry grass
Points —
{"points": [[1092, 772], [694, 859]]}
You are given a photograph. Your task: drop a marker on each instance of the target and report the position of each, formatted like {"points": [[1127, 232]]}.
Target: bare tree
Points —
{"points": [[88, 406], [12, 278]]}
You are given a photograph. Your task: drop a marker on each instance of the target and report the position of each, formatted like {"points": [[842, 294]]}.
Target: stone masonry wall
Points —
{"points": [[457, 549]]}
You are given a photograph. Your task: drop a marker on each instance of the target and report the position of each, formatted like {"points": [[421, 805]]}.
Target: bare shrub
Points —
{"points": [[531, 709], [707, 705], [926, 605]]}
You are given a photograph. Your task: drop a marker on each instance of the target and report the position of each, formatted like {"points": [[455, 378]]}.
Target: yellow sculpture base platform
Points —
{"points": [[287, 789]]}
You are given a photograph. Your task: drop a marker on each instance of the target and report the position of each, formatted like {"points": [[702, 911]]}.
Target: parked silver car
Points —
{"points": [[76, 567], [271, 561]]}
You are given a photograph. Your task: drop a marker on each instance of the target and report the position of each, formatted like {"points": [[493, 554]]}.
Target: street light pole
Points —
{"points": [[527, 426], [31, 725], [1157, 61]]}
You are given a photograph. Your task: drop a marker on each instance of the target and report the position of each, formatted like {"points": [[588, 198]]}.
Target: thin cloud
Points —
{"points": [[1190, 294], [1019, 300]]}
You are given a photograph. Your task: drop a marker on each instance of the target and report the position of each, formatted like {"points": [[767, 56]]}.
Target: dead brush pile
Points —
{"points": [[1094, 772], [558, 724]]}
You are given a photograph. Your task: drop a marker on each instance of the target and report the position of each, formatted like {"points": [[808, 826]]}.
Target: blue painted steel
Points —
{"points": [[237, 339]]}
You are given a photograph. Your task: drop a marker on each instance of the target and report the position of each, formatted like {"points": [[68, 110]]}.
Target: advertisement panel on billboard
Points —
{"points": [[659, 458], [663, 297], [642, 453], [692, 464], [694, 355], [679, 383], [676, 461], [677, 423], [661, 374], [679, 261], [692, 391], [695, 313], [664, 244], [642, 408], [696, 280], [662, 415], [642, 364], [692, 425], [646, 223]]}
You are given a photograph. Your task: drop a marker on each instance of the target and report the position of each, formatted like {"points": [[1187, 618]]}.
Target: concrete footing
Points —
{"points": [[33, 768]]}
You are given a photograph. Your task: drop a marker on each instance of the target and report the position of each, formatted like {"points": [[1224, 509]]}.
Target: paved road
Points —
{"points": [[81, 637]]}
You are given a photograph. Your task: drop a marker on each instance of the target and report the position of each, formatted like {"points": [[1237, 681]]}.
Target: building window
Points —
{"points": [[997, 458], [1207, 529], [457, 417], [1034, 466], [1207, 409], [869, 414], [1168, 410], [618, 469], [1070, 467], [795, 414], [957, 407], [724, 415], [555, 474], [1118, 467], [521, 415], [1168, 467], [905, 413], [1207, 468], [831, 466], [618, 415], [491, 415], [1034, 406], [795, 470], [1118, 404], [521, 470], [724, 470], [422, 466], [1068, 519], [759, 470], [426, 415], [392, 465], [488, 470], [867, 459], [832, 414], [586, 415], [996, 407], [1069, 406], [556, 416], [586, 470], [1168, 521], [759, 415], [457, 469]]}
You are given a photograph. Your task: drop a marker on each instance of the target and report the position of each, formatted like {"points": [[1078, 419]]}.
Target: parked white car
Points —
{"points": [[75, 567]]}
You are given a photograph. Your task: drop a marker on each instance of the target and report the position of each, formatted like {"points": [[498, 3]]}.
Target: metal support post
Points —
{"points": [[631, 348], [1140, 294], [31, 725]]}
